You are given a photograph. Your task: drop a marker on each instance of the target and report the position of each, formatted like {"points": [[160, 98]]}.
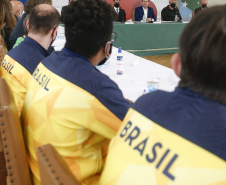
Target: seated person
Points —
{"points": [[121, 14], [19, 63], [7, 23], [18, 30], [179, 137], [70, 103], [146, 11], [21, 39], [18, 9], [203, 6], [170, 12]]}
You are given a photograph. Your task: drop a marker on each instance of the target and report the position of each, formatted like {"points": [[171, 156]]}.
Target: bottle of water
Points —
{"points": [[175, 18], [119, 62], [144, 18]]}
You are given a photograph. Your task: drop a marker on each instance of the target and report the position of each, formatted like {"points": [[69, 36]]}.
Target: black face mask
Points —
{"points": [[204, 6], [102, 61], [53, 39], [117, 5], [173, 5], [105, 59]]}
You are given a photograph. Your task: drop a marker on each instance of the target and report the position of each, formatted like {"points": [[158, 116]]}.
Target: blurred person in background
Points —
{"points": [[145, 11], [170, 12], [18, 30], [7, 20], [121, 14], [21, 39], [203, 6], [18, 9]]}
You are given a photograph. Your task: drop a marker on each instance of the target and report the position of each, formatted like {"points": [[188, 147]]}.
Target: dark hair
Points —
{"points": [[25, 25], [202, 52], [42, 20], [30, 4], [88, 26]]}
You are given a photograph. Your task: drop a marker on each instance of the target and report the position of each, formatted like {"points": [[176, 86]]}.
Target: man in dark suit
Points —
{"points": [[144, 10], [202, 7], [121, 14]]}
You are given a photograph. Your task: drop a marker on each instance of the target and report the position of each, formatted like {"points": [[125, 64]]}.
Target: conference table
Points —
{"points": [[148, 39], [137, 71]]}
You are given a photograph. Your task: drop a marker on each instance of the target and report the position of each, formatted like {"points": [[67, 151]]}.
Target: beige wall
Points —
{"points": [[216, 2]]}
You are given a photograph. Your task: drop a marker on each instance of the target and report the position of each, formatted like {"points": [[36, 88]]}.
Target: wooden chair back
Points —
{"points": [[14, 165], [53, 169]]}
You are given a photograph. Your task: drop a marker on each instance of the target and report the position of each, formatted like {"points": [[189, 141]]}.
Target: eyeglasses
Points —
{"points": [[113, 36]]}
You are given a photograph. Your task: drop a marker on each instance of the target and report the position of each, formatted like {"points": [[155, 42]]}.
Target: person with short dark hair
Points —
{"points": [[20, 62], [121, 14], [179, 137], [146, 11], [170, 12], [70, 103], [203, 6], [18, 30]]}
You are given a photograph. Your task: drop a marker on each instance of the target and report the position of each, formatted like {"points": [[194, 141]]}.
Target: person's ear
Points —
{"points": [[108, 49], [176, 64], [27, 24], [55, 32], [17, 12]]}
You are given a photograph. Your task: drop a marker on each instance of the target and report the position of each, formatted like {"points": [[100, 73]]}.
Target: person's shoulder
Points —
{"points": [[101, 77], [17, 51], [165, 8], [152, 98], [150, 8], [197, 9], [137, 8], [122, 10]]}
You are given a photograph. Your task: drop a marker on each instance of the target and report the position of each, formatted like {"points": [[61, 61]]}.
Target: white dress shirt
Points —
{"points": [[145, 12], [117, 10]]}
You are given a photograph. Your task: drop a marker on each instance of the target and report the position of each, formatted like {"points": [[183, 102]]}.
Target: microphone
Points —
{"points": [[151, 19]]}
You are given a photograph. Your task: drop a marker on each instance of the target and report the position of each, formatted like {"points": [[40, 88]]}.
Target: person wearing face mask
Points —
{"points": [[18, 9], [20, 62], [203, 6], [170, 12], [18, 30], [69, 102], [121, 14]]}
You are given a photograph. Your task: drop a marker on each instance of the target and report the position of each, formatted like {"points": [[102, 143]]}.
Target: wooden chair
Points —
{"points": [[133, 15], [53, 169], [13, 160]]}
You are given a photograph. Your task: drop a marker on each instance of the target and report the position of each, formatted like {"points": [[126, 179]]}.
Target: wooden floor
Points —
{"points": [[161, 59]]}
